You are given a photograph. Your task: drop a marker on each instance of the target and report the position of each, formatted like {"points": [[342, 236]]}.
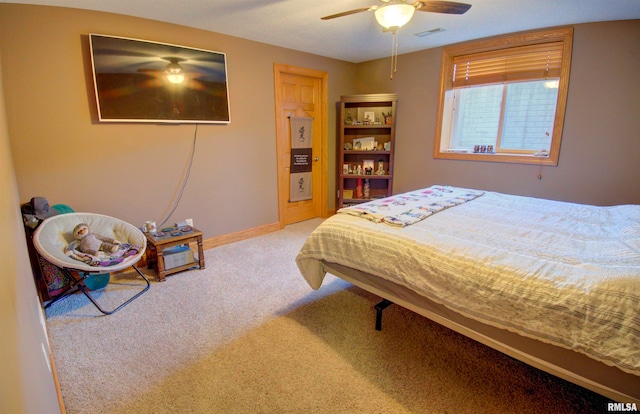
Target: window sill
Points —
{"points": [[465, 155]]}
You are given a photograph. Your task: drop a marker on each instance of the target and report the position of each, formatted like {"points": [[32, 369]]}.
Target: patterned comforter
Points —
{"points": [[562, 273], [410, 208]]}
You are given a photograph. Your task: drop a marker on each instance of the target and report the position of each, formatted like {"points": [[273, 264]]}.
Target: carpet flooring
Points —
{"points": [[247, 335]]}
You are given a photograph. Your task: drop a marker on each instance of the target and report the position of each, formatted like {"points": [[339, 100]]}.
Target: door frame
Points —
{"points": [[322, 117]]}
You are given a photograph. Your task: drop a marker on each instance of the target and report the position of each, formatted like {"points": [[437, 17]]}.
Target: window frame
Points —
{"points": [[443, 125]]}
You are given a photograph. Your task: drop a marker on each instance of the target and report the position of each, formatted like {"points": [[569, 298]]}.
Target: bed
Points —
{"points": [[553, 284]]}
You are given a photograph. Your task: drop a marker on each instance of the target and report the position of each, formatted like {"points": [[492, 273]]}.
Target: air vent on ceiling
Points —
{"points": [[430, 32]]}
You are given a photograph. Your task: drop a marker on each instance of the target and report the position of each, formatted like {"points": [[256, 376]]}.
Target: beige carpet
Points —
{"points": [[247, 335]]}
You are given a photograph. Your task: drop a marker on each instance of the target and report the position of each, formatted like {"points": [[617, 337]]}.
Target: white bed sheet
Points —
{"points": [[562, 273]]}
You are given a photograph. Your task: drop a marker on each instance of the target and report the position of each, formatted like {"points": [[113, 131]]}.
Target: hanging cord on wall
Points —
{"points": [[186, 178], [539, 176], [541, 154]]}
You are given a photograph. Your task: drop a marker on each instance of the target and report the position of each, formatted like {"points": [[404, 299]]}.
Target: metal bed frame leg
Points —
{"points": [[379, 308], [78, 284]]}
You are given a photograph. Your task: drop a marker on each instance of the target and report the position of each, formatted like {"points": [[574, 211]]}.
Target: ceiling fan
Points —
{"points": [[393, 14], [396, 13], [174, 72]]}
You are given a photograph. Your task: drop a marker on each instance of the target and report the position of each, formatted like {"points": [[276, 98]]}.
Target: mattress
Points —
{"points": [[562, 273]]}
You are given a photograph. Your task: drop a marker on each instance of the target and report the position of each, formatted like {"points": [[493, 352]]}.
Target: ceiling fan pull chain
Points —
{"points": [[394, 54], [391, 69]]}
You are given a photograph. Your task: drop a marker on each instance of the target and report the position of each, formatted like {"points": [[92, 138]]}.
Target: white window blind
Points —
{"points": [[531, 62]]}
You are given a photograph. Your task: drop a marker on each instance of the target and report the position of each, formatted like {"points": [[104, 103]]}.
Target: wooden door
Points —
{"points": [[301, 92]]}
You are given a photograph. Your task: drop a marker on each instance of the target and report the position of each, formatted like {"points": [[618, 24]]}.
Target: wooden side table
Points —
{"points": [[157, 243]]}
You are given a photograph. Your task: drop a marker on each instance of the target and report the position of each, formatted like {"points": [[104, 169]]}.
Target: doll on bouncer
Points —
{"points": [[91, 243]]}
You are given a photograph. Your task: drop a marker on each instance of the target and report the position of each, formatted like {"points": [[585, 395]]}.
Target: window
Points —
{"points": [[503, 99]]}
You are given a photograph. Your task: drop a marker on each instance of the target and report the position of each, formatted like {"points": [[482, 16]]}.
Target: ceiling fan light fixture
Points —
{"points": [[176, 79], [174, 73], [395, 15]]}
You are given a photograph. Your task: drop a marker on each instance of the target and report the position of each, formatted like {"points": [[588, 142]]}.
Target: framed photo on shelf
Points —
{"points": [[370, 117], [367, 167], [345, 168], [363, 144]]}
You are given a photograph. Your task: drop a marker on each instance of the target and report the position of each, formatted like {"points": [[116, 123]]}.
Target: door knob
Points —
{"points": [[316, 158]]}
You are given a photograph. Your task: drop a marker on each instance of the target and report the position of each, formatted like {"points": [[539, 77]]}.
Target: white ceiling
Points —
{"points": [[296, 24]]}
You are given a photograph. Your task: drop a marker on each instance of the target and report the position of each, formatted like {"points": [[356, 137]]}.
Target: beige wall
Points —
{"points": [[26, 383], [600, 154], [134, 171]]}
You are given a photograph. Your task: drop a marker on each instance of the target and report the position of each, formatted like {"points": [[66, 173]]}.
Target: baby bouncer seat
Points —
{"points": [[55, 242]]}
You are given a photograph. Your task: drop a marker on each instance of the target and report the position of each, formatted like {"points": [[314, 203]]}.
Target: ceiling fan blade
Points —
{"points": [[347, 13], [448, 7]]}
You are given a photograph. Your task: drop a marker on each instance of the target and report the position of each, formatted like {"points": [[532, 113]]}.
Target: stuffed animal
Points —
{"points": [[92, 243]]}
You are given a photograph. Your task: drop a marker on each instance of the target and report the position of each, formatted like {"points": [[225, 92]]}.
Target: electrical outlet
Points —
{"points": [[189, 222]]}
